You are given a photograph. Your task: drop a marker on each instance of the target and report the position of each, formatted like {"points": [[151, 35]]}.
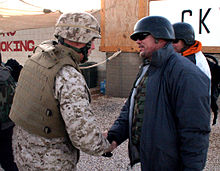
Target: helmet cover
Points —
{"points": [[77, 27]]}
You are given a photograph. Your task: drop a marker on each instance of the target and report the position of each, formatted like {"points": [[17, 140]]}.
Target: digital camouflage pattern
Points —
{"points": [[33, 152], [77, 27], [7, 89]]}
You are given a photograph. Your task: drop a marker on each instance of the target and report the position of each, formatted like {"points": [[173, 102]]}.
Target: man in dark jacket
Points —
{"points": [[167, 116]]}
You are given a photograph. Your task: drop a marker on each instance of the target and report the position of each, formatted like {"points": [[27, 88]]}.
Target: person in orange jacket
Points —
{"points": [[186, 44]]}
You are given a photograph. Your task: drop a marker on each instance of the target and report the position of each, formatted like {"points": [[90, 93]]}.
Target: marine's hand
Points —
{"points": [[105, 133]]}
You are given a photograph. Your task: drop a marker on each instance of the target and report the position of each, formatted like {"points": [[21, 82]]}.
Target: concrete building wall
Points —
{"points": [[121, 72], [98, 56]]}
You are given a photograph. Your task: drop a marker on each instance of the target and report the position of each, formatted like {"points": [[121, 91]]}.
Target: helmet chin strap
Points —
{"points": [[83, 50]]}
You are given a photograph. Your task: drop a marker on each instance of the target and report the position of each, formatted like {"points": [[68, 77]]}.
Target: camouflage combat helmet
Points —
{"points": [[77, 27]]}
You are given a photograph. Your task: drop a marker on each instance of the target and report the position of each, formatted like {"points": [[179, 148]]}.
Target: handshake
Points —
{"points": [[111, 148]]}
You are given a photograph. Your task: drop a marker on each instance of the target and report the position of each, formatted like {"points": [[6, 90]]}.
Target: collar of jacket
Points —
{"points": [[196, 47], [160, 56], [74, 55]]}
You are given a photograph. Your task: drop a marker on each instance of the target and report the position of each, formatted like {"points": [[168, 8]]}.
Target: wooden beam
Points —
{"points": [[143, 8], [102, 13], [211, 49]]}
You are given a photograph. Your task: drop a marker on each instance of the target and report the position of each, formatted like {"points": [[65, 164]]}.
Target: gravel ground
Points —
{"points": [[106, 110]]}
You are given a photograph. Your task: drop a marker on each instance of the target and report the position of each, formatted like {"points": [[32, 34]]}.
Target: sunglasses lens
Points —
{"points": [[141, 36], [176, 41]]}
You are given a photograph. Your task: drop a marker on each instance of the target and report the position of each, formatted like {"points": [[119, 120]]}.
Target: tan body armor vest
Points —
{"points": [[34, 107]]}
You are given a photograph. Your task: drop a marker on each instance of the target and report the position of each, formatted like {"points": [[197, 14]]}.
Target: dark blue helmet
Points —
{"points": [[185, 32], [159, 27]]}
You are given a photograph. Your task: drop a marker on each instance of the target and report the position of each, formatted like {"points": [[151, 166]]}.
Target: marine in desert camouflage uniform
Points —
{"points": [[52, 126]]}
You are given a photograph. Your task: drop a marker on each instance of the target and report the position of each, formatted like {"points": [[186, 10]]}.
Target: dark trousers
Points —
{"points": [[6, 153]]}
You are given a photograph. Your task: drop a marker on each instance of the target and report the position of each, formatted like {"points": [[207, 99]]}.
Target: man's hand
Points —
{"points": [[113, 145], [111, 148], [109, 151]]}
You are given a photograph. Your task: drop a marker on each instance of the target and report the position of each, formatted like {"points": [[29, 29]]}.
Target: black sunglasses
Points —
{"points": [[176, 41], [141, 36]]}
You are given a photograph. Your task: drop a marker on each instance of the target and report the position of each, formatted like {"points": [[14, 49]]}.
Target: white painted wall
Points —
{"points": [[18, 45]]}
